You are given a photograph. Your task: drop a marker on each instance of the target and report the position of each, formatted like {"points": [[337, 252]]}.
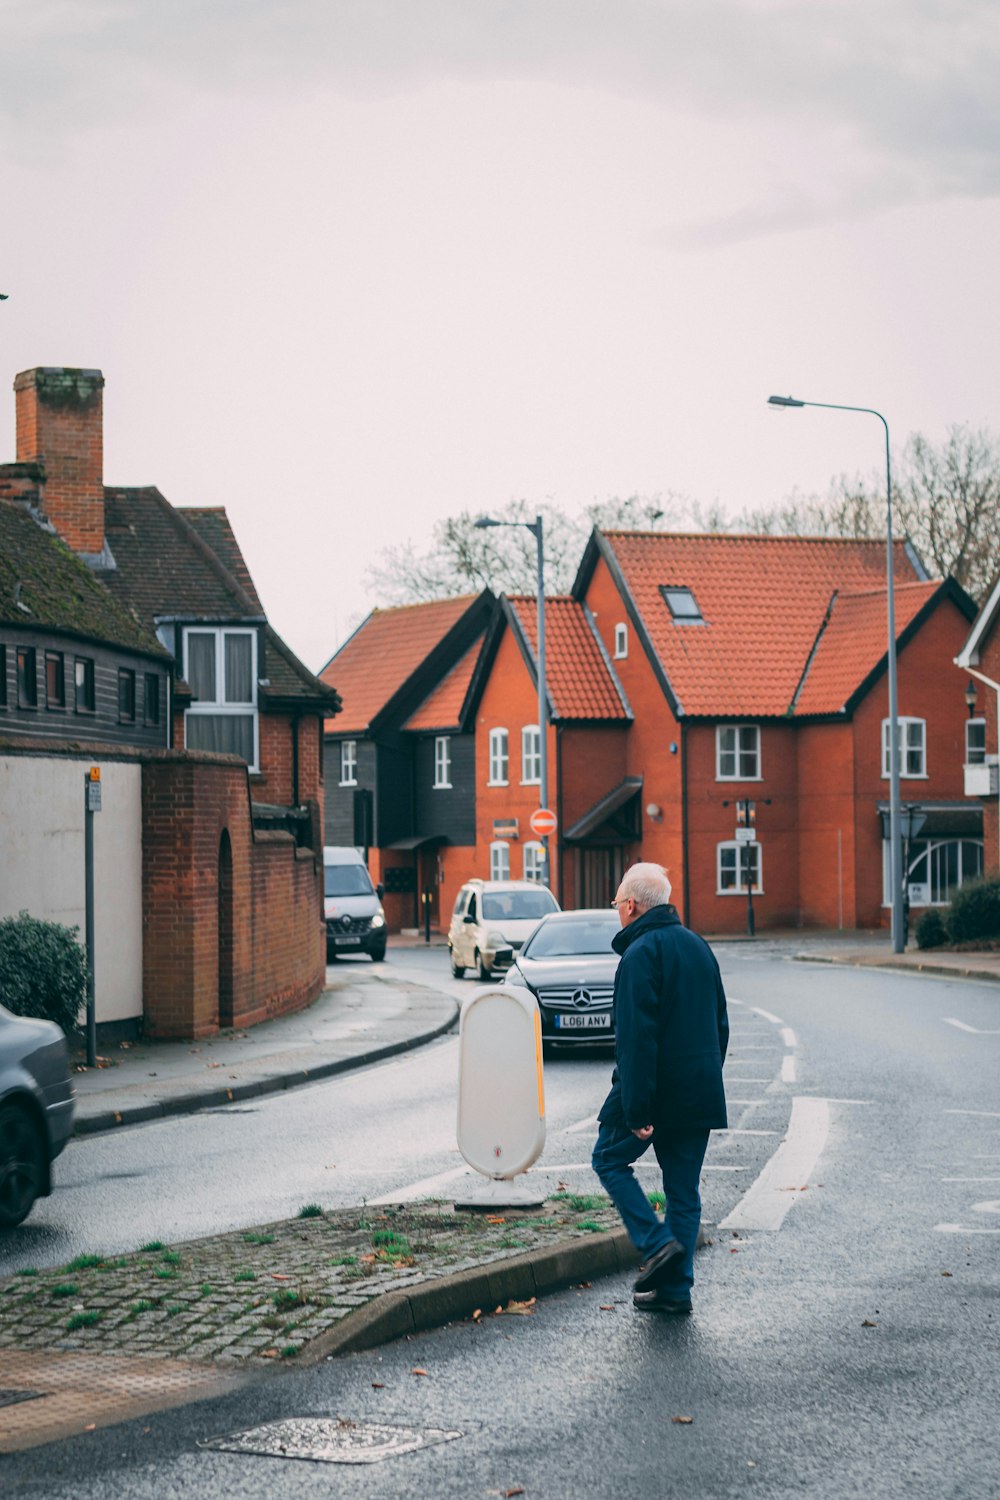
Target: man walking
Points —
{"points": [[671, 1034]]}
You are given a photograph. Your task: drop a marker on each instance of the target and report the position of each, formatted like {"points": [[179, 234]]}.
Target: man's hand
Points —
{"points": [[643, 1133]]}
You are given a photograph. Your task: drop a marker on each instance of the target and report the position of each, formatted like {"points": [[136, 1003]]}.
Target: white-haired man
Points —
{"points": [[671, 1034]]}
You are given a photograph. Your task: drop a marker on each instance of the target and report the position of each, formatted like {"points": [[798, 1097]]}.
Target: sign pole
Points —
{"points": [[91, 804]]}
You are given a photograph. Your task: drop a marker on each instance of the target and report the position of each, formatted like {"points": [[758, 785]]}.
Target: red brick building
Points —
{"points": [[232, 805], [979, 661], [690, 674]]}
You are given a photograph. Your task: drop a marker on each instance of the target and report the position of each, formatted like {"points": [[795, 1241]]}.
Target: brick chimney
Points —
{"points": [[60, 425]]}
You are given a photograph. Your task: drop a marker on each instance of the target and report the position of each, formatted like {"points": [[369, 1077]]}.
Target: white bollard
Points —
{"points": [[501, 1095]]}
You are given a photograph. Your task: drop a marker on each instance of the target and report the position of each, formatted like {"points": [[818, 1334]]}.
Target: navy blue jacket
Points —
{"points": [[671, 1028]]}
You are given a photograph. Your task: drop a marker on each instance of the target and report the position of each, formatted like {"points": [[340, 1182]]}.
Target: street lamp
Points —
{"points": [[895, 831], [536, 529]]}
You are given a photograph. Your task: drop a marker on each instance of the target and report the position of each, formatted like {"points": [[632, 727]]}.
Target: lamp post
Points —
{"points": [[537, 531], [895, 830]]}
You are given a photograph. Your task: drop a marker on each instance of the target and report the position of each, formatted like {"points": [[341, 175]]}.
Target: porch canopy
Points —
{"points": [[419, 841], [612, 819], [942, 820]]}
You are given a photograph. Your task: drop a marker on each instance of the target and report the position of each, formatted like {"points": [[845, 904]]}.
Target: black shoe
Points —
{"points": [[656, 1266], [655, 1301]]}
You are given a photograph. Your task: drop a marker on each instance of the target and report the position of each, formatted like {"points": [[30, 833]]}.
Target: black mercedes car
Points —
{"points": [[569, 966]]}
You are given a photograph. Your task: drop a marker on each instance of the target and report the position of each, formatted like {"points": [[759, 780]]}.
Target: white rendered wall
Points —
{"points": [[41, 863]]}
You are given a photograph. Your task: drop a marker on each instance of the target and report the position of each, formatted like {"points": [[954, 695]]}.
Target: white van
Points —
{"points": [[352, 906]]}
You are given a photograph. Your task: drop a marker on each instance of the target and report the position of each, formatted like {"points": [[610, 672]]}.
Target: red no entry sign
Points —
{"points": [[543, 821]]}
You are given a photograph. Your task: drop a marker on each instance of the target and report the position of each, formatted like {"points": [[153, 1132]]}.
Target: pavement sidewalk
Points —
{"points": [[979, 964], [348, 1026]]}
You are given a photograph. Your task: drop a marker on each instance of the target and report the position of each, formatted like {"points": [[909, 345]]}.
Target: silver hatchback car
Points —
{"points": [[36, 1111]]}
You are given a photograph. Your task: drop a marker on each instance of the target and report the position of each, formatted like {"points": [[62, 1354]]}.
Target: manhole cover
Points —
{"points": [[327, 1440], [11, 1398]]}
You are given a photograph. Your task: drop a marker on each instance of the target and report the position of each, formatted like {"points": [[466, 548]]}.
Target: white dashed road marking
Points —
{"points": [[982, 1114], [767, 1201], [951, 1021], [963, 1229], [788, 1037], [768, 1016], [788, 1068]]}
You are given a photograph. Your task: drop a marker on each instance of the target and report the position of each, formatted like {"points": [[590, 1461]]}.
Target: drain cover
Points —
{"points": [[327, 1440], [11, 1398]]}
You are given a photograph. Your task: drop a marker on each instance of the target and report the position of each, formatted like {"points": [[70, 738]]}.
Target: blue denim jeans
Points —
{"points": [[680, 1154]]}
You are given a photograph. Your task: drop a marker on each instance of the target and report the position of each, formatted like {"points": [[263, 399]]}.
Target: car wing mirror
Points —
{"points": [[380, 890], [469, 919]]}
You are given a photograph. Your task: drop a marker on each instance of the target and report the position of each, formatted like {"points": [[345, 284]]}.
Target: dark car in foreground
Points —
{"points": [[36, 1111], [569, 966]]}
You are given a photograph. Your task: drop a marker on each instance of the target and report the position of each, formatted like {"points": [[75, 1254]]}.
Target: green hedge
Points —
{"points": [[43, 970], [975, 911], [931, 931]]}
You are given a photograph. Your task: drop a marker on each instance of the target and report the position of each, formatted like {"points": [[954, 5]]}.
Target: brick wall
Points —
{"points": [[988, 708], [277, 953]]}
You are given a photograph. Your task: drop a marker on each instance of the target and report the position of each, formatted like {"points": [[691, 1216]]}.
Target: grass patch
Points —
{"points": [[28, 1271], [66, 1289], [355, 1273], [113, 1265], [165, 1273], [388, 1244], [207, 1289], [590, 1226], [657, 1201], [173, 1308], [245, 1276], [289, 1351], [310, 1211], [151, 1248], [510, 1243], [285, 1299], [582, 1203], [253, 1238], [85, 1263], [344, 1260], [138, 1308], [171, 1258], [82, 1320]]}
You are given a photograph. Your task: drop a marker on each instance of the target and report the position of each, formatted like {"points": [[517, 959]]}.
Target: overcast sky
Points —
{"points": [[352, 265]]}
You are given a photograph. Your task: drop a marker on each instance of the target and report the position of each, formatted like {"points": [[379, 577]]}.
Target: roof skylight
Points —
{"points": [[682, 604]]}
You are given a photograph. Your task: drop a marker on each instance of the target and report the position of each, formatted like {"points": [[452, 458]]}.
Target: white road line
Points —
{"points": [[962, 1229], [748, 1080], [788, 1068], [590, 1123], [732, 1130], [950, 1021], [767, 1201], [788, 1037], [970, 1179], [767, 1015], [981, 1114], [425, 1189], [987, 1207], [723, 1167], [745, 1101]]}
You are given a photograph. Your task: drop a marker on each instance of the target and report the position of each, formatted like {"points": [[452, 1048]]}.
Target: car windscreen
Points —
{"points": [[517, 906], [346, 880], [563, 939]]}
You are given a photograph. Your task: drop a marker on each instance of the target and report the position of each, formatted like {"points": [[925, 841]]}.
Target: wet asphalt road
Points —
{"points": [[853, 1350]]}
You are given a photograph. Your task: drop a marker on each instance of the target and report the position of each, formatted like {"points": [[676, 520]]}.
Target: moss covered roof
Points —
{"points": [[44, 585]]}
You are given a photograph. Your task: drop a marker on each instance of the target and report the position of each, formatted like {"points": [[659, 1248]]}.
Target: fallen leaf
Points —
{"points": [[584, 1286], [683, 1421], [517, 1489], [495, 1219], [378, 1385], [279, 1276], [520, 1309], [269, 1354], [90, 1427], [947, 1273], [418, 1370], [477, 1315], [733, 1250], [213, 1065], [869, 1324]]}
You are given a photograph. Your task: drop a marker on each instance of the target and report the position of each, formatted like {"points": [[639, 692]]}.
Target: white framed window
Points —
{"points": [[220, 667], [738, 866], [737, 752], [499, 757], [912, 747], [348, 762], [499, 860], [442, 760], [937, 868], [531, 755], [534, 861], [975, 742], [621, 640]]}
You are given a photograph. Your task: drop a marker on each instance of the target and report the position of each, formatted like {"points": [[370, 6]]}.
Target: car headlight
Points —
{"points": [[514, 976], [378, 920]]}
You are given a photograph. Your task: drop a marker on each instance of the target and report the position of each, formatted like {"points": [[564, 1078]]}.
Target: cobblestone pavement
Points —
{"points": [[264, 1294]]}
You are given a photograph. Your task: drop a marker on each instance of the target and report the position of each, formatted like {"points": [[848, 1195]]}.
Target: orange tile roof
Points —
{"points": [[578, 676], [854, 642], [763, 600], [443, 707], [382, 653]]}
